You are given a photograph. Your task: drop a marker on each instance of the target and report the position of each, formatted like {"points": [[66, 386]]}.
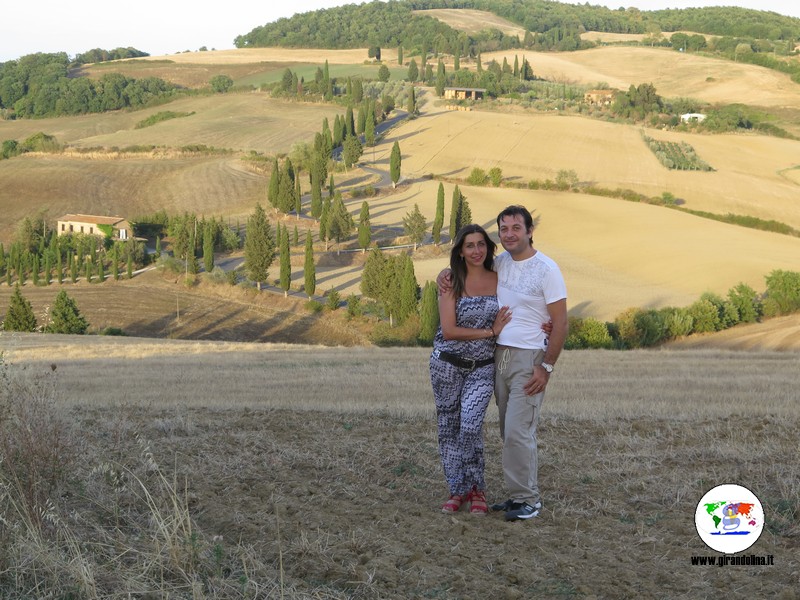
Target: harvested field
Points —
{"points": [[473, 21], [249, 437], [674, 74]]}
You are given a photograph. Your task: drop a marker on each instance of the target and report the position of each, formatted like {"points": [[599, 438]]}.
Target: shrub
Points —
{"points": [[783, 293], [678, 322], [333, 300], [705, 316], [354, 306], [115, 331], [747, 303], [477, 177], [314, 306], [496, 176]]}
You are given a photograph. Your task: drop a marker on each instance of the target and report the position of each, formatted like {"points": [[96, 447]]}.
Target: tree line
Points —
{"points": [[642, 328], [548, 25], [39, 85]]}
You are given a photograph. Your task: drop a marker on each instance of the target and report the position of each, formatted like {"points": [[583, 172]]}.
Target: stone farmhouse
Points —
{"points": [[114, 227], [599, 97], [462, 93]]}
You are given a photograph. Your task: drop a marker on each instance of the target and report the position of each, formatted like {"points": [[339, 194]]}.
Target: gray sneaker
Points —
{"points": [[503, 505], [523, 510]]}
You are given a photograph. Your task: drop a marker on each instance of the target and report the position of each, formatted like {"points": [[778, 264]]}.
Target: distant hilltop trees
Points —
{"points": [[99, 55], [39, 85], [549, 26]]}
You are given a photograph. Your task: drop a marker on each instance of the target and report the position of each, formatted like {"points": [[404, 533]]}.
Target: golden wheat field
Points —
{"points": [[295, 471]]}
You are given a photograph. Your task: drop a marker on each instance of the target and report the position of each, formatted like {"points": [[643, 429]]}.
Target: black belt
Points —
{"points": [[463, 363]]}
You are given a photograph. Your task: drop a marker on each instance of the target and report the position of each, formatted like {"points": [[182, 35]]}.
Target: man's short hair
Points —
{"points": [[514, 210]]}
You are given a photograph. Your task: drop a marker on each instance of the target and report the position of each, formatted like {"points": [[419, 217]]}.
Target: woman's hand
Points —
{"points": [[500, 321], [547, 328]]}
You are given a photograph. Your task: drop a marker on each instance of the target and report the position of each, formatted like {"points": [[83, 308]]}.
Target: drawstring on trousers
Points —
{"points": [[505, 356]]}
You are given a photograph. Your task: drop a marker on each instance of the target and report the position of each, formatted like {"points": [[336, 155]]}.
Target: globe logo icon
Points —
{"points": [[729, 518]]}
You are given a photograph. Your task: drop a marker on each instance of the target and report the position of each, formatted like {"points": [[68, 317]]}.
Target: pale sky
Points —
{"points": [[170, 26]]}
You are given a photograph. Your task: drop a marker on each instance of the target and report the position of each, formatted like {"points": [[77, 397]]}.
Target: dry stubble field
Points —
{"points": [[306, 472]]}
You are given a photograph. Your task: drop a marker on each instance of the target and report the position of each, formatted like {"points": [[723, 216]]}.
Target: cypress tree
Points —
{"points": [[413, 71], [158, 246], [340, 223], [129, 265], [309, 270], [327, 84], [274, 188], [316, 196], [438, 220], [2, 259], [47, 268], [456, 61], [338, 131], [349, 124], [364, 230], [88, 270], [478, 64], [407, 304], [429, 313], [516, 66], [115, 262], [400, 55], [59, 267], [298, 196], [286, 264], [415, 225], [259, 247], [369, 128], [35, 269], [327, 139], [101, 274], [208, 247], [19, 316], [73, 269], [441, 79], [286, 188], [361, 119], [331, 187], [394, 164], [65, 316], [324, 220], [358, 90], [351, 150], [373, 275], [455, 205], [411, 105]]}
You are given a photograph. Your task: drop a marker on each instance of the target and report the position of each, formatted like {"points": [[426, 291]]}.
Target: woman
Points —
{"points": [[462, 366]]}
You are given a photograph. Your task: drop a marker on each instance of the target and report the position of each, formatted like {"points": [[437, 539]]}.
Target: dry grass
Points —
{"points": [[260, 471], [473, 21], [674, 74]]}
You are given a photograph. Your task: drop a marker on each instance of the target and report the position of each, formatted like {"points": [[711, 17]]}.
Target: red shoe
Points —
{"points": [[477, 502], [453, 504]]}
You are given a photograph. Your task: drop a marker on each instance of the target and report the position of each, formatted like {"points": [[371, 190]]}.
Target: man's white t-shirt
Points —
{"points": [[527, 287]]}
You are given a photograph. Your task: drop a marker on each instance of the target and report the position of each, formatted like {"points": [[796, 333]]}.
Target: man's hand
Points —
{"points": [[444, 281], [538, 381]]}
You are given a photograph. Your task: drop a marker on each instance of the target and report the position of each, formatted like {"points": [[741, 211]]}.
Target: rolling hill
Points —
{"points": [[615, 254]]}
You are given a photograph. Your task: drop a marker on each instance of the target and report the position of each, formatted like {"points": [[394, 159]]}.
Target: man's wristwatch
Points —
{"points": [[547, 367]]}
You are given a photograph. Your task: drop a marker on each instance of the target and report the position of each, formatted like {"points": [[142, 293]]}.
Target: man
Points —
{"points": [[532, 286]]}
